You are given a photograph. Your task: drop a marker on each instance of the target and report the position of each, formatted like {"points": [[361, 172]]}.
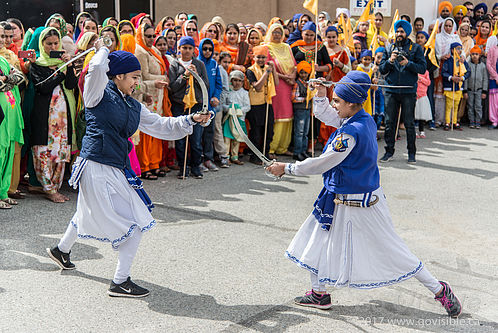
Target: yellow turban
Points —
{"points": [[445, 4], [459, 8]]}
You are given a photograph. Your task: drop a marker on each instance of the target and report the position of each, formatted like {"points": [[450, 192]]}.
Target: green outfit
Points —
{"points": [[10, 130]]}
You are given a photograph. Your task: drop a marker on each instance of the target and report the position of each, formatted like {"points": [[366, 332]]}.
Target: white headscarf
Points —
{"points": [[340, 11], [444, 39]]}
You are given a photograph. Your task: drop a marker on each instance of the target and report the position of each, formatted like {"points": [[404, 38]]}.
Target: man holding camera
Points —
{"points": [[401, 64]]}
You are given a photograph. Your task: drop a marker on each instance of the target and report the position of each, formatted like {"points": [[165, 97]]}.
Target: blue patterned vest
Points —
{"points": [[108, 127], [358, 173]]}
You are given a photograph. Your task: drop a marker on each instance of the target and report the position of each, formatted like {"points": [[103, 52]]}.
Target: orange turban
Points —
{"points": [[445, 4], [475, 49], [260, 50], [304, 66], [459, 8]]}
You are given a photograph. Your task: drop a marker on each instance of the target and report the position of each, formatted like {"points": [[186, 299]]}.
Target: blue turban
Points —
{"points": [[380, 50], [455, 44], [366, 53], [423, 33], [352, 59], [186, 40], [495, 5], [353, 93], [483, 6], [122, 62], [403, 24], [309, 26], [331, 28], [296, 17]]}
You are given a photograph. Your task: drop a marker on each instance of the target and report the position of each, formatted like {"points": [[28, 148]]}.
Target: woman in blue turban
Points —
{"points": [[344, 241]]}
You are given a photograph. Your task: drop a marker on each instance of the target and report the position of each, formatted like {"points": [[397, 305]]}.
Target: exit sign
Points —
{"points": [[356, 7]]}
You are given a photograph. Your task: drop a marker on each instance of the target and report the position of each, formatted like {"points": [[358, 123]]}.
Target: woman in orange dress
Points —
{"points": [[239, 51], [341, 66]]}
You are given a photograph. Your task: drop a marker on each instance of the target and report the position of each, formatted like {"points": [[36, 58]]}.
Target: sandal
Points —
{"points": [[4, 205], [17, 195], [10, 201], [160, 172], [149, 175]]}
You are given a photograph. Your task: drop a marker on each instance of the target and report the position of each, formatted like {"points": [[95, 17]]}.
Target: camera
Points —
{"points": [[401, 53]]}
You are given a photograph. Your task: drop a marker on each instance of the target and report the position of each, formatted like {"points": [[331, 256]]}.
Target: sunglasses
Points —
{"points": [[207, 49], [191, 29], [212, 31], [149, 36]]}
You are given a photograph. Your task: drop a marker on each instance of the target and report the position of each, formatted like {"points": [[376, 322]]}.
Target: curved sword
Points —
{"points": [[205, 95], [107, 42], [266, 162]]}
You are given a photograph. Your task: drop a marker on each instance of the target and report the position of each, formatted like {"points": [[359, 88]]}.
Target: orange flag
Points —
{"points": [[368, 13], [312, 6], [189, 98]]}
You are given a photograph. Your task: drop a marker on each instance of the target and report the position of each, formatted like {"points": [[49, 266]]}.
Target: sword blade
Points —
{"points": [[266, 161]]}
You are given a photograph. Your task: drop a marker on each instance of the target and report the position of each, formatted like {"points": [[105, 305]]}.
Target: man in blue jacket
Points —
{"points": [[401, 64], [206, 51]]}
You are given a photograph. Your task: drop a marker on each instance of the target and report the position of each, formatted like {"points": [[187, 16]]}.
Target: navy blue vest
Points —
{"points": [[108, 127], [358, 173]]}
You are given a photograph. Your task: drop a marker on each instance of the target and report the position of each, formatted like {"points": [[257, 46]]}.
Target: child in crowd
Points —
{"points": [[423, 107], [302, 111], [354, 62], [453, 82], [421, 38], [238, 104], [379, 95], [262, 79], [366, 66], [223, 60], [476, 87]]}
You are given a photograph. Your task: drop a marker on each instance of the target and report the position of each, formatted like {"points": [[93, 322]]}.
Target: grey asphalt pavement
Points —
{"points": [[215, 261]]}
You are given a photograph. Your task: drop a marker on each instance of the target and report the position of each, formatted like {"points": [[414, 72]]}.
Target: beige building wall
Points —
{"points": [[252, 11]]}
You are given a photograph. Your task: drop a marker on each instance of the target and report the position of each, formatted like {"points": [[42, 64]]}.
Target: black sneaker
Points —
{"points": [[60, 258], [411, 159], [386, 158], [314, 300], [449, 301], [127, 289]]}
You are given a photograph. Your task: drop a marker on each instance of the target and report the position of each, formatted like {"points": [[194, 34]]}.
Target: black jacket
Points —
{"points": [[397, 75], [43, 96]]}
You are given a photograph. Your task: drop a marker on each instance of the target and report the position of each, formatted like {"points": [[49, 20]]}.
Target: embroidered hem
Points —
{"points": [[372, 285], [118, 241]]}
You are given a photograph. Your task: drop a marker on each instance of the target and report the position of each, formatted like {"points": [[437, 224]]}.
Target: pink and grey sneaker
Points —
{"points": [[314, 300], [449, 301]]}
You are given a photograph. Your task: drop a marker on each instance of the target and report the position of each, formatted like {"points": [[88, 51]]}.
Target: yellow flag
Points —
{"points": [[375, 42], [311, 93], [189, 98], [495, 30], [458, 67], [341, 28], [312, 6], [368, 13], [430, 45], [392, 33]]}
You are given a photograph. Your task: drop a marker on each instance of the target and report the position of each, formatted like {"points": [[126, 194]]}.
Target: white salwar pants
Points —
{"points": [[127, 251]]}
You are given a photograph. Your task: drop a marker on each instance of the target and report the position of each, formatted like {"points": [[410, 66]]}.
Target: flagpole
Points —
{"points": [[266, 115], [453, 108], [316, 59], [186, 152]]}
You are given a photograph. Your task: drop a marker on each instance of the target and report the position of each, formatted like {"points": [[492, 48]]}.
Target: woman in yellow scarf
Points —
{"points": [[280, 54]]}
